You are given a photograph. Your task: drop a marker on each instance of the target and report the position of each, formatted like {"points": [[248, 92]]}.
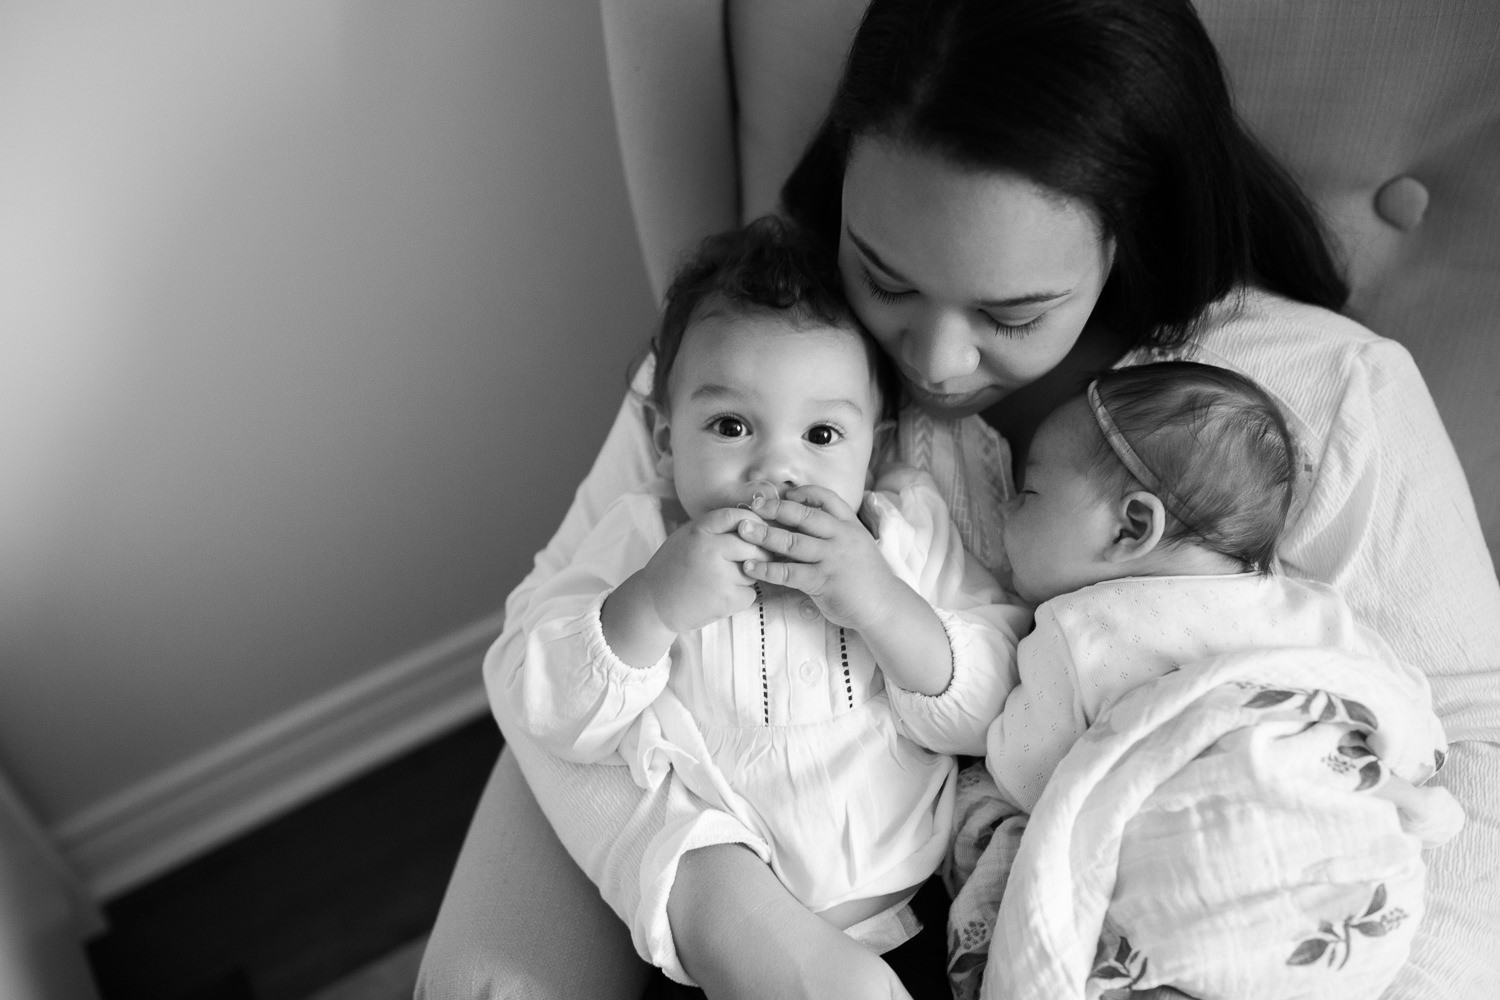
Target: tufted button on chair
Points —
{"points": [[1402, 202]]}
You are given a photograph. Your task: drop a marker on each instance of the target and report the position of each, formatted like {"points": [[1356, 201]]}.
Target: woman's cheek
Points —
{"points": [[1036, 354], [883, 322], [876, 316]]}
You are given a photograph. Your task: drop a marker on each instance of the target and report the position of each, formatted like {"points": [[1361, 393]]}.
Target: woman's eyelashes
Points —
{"points": [[880, 293], [1014, 329]]}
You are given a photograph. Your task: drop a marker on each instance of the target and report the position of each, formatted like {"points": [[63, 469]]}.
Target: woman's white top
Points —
{"points": [[1387, 519]]}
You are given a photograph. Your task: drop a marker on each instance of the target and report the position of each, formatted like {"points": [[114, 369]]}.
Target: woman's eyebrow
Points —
{"points": [[1031, 298], [873, 257]]}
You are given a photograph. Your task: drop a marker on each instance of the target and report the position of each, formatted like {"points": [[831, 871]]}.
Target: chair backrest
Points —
{"points": [[1388, 111]]}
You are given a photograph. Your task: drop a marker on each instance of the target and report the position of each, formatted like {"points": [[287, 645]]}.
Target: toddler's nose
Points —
{"points": [[776, 466]]}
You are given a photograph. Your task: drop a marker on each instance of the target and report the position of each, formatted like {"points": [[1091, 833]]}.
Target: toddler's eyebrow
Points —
{"points": [[842, 404], [714, 390], [711, 390], [1029, 299]]}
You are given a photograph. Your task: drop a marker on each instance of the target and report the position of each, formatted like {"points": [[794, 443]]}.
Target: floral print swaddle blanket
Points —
{"points": [[1250, 825]]}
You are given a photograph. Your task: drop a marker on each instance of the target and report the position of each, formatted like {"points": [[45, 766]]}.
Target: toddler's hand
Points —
{"points": [[696, 576], [824, 551]]}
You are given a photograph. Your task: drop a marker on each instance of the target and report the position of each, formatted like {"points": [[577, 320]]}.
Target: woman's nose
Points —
{"points": [[939, 346]]}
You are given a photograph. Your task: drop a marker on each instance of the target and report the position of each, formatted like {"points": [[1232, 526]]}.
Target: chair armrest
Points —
{"points": [[520, 920]]}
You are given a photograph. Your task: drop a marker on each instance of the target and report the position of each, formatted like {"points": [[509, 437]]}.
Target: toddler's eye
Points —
{"points": [[730, 427], [822, 434]]}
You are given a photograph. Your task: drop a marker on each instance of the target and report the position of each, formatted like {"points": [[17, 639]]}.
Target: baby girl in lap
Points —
{"points": [[1145, 532]]}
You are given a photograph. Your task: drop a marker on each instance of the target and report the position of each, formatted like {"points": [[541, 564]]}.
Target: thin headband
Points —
{"points": [[1176, 505]]}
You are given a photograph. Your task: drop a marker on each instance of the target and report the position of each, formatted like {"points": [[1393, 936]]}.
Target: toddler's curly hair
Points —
{"points": [[768, 265]]}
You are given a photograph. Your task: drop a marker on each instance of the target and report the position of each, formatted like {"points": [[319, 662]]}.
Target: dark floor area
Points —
{"points": [[309, 897]]}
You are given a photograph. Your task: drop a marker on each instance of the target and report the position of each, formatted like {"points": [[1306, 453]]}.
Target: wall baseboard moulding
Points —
{"points": [[214, 797]]}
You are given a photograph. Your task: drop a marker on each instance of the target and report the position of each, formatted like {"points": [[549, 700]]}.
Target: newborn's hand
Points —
{"points": [[824, 551]]}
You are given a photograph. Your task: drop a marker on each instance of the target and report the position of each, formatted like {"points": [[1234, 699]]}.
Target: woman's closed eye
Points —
{"points": [[879, 292], [1013, 329]]}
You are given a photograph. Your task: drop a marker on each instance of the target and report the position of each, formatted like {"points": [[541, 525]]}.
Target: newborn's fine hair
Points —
{"points": [[1213, 438], [768, 265]]}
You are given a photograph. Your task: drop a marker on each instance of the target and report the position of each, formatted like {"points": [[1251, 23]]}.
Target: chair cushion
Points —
{"points": [[1389, 114], [1386, 110]]}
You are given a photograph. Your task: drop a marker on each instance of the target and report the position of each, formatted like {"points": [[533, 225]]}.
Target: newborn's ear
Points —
{"points": [[1140, 521]]}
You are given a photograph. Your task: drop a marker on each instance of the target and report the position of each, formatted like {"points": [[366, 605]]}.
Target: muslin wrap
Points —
{"points": [[1251, 825]]}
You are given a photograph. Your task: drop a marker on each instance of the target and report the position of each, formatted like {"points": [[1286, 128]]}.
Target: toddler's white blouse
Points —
{"points": [[775, 717]]}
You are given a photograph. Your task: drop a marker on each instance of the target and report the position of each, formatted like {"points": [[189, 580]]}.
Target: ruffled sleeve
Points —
{"points": [[984, 624], [577, 697]]}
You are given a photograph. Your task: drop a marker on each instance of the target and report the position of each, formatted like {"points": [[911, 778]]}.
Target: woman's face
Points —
{"points": [[975, 283]]}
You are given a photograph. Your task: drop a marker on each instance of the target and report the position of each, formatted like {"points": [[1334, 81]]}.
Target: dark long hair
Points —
{"points": [[1121, 105]]}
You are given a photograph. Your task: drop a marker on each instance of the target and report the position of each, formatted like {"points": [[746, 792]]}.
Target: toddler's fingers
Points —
{"points": [[798, 517], [820, 498], [737, 550], [747, 592], [776, 541], [725, 520], [797, 576]]}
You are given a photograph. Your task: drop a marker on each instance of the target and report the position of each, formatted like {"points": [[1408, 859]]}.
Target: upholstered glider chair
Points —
{"points": [[1387, 110]]}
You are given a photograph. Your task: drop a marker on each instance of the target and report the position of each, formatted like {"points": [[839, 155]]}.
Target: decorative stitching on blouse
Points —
{"points": [[765, 681], [844, 659]]}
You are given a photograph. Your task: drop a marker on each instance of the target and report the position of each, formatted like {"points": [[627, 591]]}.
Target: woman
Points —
{"points": [[1023, 191]]}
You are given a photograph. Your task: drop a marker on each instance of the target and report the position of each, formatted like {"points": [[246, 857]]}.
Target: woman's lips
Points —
{"points": [[949, 400]]}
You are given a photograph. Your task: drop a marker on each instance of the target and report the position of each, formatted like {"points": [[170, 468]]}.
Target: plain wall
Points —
{"points": [[312, 315]]}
